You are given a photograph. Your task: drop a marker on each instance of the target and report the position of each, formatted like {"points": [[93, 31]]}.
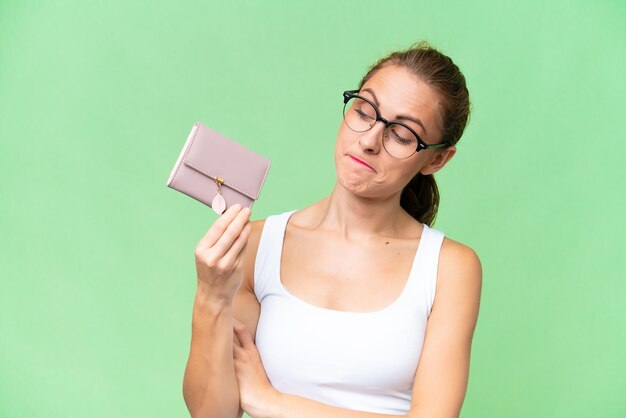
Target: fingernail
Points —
{"points": [[246, 211], [236, 207]]}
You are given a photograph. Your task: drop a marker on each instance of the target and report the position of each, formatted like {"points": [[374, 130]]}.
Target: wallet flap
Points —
{"points": [[214, 155]]}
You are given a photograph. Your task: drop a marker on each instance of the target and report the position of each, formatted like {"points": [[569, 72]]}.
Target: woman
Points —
{"points": [[353, 306]]}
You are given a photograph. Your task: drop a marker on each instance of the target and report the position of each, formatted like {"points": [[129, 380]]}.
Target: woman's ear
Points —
{"points": [[439, 159]]}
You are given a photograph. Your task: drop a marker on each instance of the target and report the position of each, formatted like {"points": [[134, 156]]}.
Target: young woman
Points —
{"points": [[354, 306]]}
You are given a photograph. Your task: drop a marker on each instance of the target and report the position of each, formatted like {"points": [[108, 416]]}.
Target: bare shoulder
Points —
{"points": [[459, 280], [459, 260], [443, 371]]}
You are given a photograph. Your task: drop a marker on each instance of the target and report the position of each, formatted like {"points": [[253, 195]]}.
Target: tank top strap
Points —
{"points": [[423, 278], [267, 262]]}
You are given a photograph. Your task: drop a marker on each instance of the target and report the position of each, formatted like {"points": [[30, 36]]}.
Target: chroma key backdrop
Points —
{"points": [[97, 273]]}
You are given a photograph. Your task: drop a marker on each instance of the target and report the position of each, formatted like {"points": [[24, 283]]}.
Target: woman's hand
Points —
{"points": [[256, 394], [219, 256]]}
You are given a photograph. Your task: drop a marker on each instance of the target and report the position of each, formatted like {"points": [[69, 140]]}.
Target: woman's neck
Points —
{"points": [[354, 217]]}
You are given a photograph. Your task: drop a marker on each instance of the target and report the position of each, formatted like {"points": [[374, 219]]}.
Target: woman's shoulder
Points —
{"points": [[257, 227], [453, 249], [457, 248], [459, 261], [257, 224], [252, 246]]}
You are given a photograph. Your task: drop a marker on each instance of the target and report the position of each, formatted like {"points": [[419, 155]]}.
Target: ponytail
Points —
{"points": [[420, 198]]}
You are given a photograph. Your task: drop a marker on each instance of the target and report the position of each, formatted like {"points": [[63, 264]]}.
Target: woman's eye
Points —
{"points": [[363, 115], [398, 138]]}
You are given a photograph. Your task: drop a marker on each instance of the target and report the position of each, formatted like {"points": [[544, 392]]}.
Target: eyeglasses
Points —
{"points": [[399, 140]]}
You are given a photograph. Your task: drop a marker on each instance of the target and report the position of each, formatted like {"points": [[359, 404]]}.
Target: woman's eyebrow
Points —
{"points": [[400, 117], [370, 91], [412, 119]]}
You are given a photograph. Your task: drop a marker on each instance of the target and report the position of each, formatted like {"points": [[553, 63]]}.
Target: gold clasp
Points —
{"points": [[219, 181]]}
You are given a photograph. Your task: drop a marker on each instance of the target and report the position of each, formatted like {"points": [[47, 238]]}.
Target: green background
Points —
{"points": [[96, 253]]}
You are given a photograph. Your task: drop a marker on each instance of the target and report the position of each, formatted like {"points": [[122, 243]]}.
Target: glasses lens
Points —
{"points": [[359, 115], [399, 141]]}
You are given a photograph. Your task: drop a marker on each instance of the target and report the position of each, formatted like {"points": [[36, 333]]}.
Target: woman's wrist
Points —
{"points": [[273, 407], [205, 304]]}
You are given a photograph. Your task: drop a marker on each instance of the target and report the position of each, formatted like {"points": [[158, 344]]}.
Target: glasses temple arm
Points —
{"points": [[445, 144]]}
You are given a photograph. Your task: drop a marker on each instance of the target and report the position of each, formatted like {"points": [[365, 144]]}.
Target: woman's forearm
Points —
{"points": [[210, 386], [292, 406]]}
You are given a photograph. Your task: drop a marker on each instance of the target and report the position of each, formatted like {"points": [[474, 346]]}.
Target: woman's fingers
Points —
{"points": [[218, 254], [218, 228], [236, 323], [231, 234], [244, 336], [233, 254]]}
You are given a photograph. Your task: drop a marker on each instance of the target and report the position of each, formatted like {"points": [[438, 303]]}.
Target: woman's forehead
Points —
{"points": [[397, 92]]}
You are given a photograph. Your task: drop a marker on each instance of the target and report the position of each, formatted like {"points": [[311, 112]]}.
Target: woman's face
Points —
{"points": [[363, 166]]}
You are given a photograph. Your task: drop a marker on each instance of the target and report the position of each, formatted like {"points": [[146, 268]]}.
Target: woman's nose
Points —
{"points": [[370, 140]]}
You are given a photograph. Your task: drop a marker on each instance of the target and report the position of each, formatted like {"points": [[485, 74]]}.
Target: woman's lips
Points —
{"points": [[362, 162]]}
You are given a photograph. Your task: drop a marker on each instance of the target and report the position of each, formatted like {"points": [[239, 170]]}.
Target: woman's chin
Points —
{"points": [[356, 185], [355, 179]]}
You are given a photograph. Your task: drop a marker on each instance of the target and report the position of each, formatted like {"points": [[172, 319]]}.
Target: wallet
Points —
{"points": [[217, 171]]}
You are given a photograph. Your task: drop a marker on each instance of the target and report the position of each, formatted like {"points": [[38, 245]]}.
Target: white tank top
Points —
{"points": [[364, 361]]}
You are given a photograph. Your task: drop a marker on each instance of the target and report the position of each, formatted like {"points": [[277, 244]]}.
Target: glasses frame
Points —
{"points": [[421, 145]]}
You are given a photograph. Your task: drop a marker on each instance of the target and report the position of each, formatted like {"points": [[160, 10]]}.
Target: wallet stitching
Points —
{"points": [[213, 176]]}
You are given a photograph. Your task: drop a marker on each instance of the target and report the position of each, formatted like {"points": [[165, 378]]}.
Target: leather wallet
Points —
{"points": [[218, 171]]}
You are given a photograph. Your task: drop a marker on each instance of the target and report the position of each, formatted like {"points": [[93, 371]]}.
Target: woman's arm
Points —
{"points": [[290, 406], [261, 400], [443, 370], [210, 386]]}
